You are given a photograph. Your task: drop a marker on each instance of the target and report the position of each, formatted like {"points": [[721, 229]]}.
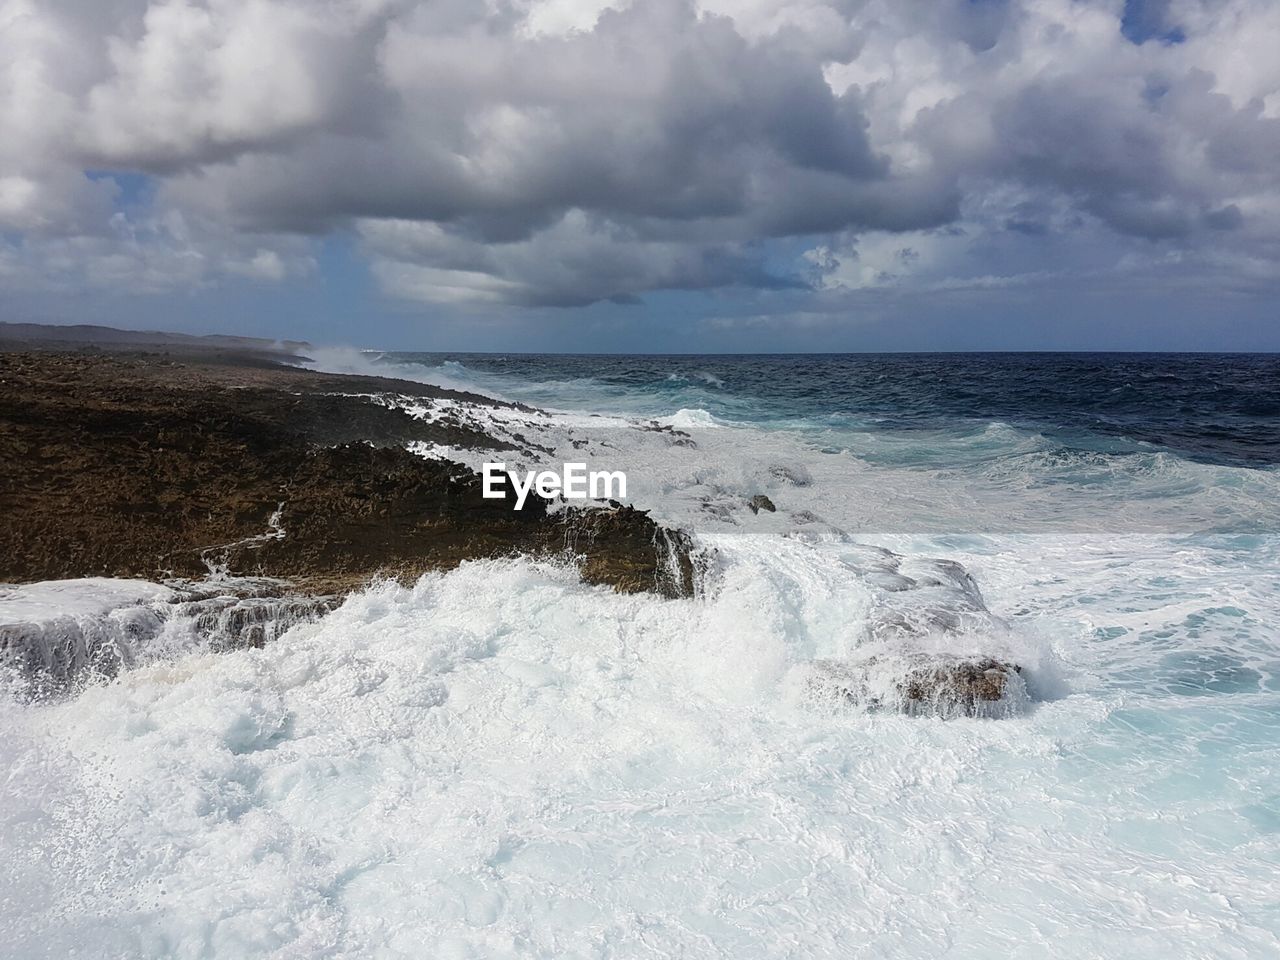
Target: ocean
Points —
{"points": [[1219, 408], [500, 761]]}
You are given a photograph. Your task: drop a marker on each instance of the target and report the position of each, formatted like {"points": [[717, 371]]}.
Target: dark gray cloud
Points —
{"points": [[558, 153]]}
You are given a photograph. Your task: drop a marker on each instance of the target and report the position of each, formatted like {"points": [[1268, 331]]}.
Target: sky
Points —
{"points": [[647, 175]]}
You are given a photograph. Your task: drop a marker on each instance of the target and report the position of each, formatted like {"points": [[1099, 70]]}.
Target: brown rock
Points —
{"points": [[921, 684], [140, 466]]}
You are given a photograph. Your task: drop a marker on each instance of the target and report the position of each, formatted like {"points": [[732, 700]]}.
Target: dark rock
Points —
{"points": [[964, 682], [623, 547], [678, 438], [795, 474], [653, 426], [761, 502], [56, 656], [131, 466], [924, 684]]}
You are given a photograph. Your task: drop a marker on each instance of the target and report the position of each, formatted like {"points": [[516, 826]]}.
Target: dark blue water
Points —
{"points": [[1213, 408]]}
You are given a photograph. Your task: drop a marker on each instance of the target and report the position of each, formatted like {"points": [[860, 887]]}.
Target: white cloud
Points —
{"points": [[199, 80], [547, 152]]}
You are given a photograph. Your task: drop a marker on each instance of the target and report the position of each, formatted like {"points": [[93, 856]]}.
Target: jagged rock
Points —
{"points": [[52, 656], [653, 426], [761, 502], [677, 438], [241, 622], [923, 684], [719, 510], [965, 682], [795, 474], [143, 467], [624, 547]]}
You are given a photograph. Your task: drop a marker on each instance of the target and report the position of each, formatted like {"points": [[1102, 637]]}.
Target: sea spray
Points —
{"points": [[121, 625], [608, 770]]}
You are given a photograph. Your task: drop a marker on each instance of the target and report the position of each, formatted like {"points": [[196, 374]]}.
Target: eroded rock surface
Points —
{"points": [[923, 684], [52, 652], [142, 466], [928, 645]]}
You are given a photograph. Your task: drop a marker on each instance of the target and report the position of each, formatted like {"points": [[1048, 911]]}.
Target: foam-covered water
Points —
{"points": [[1219, 408], [500, 761]]}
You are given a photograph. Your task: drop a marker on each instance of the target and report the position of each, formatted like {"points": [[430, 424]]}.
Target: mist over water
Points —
{"points": [[500, 761]]}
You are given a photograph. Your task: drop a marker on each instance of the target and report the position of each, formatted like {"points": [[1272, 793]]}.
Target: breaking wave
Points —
{"points": [[967, 686]]}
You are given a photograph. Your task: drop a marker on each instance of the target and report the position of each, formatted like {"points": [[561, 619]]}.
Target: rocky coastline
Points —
{"points": [[145, 466], [253, 494]]}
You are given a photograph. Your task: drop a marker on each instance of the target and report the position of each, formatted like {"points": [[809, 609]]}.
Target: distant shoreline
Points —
{"points": [[47, 336], [89, 337]]}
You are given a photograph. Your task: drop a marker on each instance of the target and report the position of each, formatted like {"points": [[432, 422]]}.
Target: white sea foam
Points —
{"points": [[563, 771], [52, 600], [696, 470], [690, 420], [501, 761]]}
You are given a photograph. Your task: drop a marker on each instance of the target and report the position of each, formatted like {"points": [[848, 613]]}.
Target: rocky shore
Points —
{"points": [[224, 495], [155, 466]]}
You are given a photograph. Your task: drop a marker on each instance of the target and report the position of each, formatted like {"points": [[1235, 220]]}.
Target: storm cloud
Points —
{"points": [[556, 153]]}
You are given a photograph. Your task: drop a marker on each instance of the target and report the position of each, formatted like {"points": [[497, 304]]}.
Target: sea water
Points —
{"points": [[502, 762]]}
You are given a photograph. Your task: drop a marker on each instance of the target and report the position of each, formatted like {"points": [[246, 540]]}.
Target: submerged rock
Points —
{"points": [[796, 474], [968, 686], [232, 623], [42, 658], [923, 684], [925, 645], [54, 653]]}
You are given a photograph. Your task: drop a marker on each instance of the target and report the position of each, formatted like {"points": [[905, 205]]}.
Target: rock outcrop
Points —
{"points": [[928, 645], [142, 466], [622, 547], [52, 655], [923, 685]]}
